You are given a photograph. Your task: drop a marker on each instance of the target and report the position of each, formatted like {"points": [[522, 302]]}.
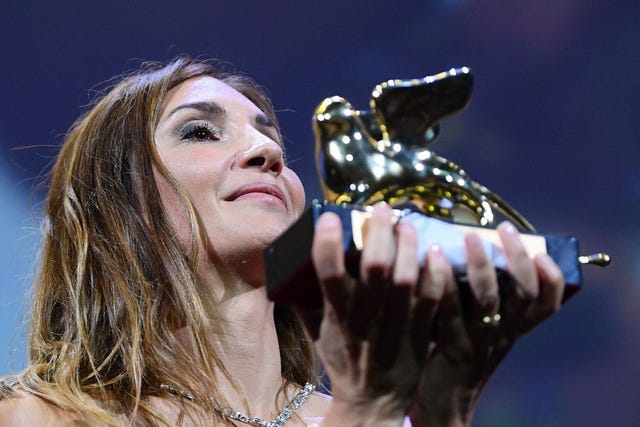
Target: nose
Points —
{"points": [[264, 154]]}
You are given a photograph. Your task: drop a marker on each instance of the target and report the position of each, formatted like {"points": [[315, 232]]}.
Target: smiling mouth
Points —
{"points": [[257, 191]]}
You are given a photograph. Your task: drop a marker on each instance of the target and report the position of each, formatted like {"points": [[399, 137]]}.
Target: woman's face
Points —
{"points": [[226, 153]]}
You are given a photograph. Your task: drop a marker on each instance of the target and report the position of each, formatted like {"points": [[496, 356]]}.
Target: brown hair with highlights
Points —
{"points": [[115, 283]]}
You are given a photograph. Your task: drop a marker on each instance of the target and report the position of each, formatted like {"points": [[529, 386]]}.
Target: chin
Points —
{"points": [[271, 235], [267, 229]]}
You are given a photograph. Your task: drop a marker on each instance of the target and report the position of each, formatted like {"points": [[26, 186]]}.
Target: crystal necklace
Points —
{"points": [[278, 421]]}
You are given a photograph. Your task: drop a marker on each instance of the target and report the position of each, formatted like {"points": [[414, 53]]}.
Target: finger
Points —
{"points": [[327, 255], [519, 263], [392, 323], [474, 346], [437, 280], [375, 267], [551, 291], [391, 328], [406, 266], [525, 280], [379, 246], [437, 274], [482, 279]]}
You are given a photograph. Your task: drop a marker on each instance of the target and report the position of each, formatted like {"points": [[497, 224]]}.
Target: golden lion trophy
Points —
{"points": [[381, 154]]}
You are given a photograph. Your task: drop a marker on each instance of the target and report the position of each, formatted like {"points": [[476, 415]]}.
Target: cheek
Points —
{"points": [[296, 190], [198, 172]]}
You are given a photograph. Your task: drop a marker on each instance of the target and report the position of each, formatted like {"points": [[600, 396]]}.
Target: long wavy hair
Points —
{"points": [[115, 283]]}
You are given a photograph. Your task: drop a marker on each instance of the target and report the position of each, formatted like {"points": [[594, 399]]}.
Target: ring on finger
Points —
{"points": [[491, 319]]}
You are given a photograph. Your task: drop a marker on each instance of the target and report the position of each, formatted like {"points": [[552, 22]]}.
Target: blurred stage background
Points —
{"points": [[552, 127]]}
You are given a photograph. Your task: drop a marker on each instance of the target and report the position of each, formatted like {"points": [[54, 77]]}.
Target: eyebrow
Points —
{"points": [[206, 107], [264, 120], [218, 110]]}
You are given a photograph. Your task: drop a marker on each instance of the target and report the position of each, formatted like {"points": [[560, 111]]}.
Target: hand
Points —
{"points": [[375, 331], [469, 349]]}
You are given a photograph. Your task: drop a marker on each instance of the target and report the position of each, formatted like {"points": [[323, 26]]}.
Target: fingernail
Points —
{"points": [[473, 241], [509, 228], [405, 227], [381, 210], [381, 206], [546, 260], [330, 220], [472, 235], [436, 253]]}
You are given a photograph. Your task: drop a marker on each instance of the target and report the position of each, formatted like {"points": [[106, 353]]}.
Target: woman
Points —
{"points": [[150, 307]]}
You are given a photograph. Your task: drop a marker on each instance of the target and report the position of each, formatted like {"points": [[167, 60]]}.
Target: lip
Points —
{"points": [[257, 189]]}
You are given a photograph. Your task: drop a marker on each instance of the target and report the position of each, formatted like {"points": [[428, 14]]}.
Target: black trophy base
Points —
{"points": [[291, 278]]}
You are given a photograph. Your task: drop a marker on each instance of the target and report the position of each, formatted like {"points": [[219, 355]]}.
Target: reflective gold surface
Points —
{"points": [[380, 154], [600, 259]]}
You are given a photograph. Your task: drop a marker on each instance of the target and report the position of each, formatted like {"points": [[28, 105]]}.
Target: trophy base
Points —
{"points": [[291, 278]]}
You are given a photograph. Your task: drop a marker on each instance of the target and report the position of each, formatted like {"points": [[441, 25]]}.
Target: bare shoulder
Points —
{"points": [[317, 405], [27, 410]]}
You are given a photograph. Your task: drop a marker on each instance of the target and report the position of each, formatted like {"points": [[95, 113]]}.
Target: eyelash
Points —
{"points": [[190, 131], [199, 132]]}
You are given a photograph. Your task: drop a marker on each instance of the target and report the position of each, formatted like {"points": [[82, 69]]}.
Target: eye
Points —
{"points": [[199, 132]]}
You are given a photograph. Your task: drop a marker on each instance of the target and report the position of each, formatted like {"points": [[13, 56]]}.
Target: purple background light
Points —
{"points": [[551, 127]]}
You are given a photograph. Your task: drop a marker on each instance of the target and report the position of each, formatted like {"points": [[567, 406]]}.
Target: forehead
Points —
{"points": [[205, 89]]}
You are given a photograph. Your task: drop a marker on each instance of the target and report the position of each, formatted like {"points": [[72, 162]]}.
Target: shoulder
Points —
{"points": [[319, 405], [316, 407], [27, 410]]}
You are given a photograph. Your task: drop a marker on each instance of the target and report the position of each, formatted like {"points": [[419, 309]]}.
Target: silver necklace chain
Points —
{"points": [[278, 421]]}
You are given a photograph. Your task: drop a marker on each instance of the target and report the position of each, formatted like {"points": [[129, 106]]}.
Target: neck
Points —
{"points": [[248, 347], [245, 340]]}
